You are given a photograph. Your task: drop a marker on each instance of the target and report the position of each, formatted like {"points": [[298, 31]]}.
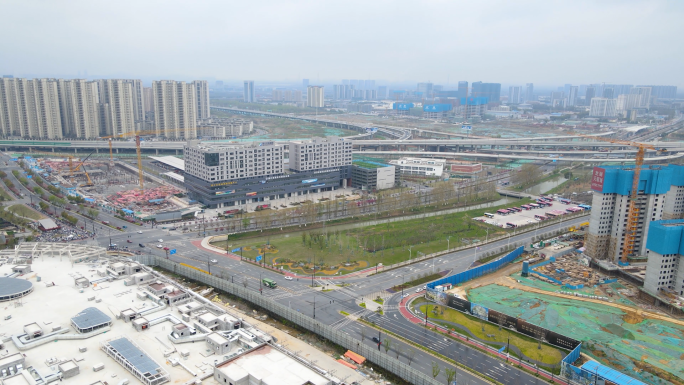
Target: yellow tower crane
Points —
{"points": [[633, 214], [137, 146]]}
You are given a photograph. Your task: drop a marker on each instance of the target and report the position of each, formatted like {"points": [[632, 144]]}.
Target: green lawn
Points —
{"points": [[362, 247], [24, 212], [288, 129], [279, 109], [547, 354], [4, 195]]}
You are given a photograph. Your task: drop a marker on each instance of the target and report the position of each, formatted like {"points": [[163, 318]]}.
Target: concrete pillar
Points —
{"points": [[117, 150], [177, 152], [97, 150], [75, 151], [157, 151], [53, 149]]}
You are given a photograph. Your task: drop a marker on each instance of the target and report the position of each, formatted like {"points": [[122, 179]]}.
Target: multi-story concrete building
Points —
{"points": [[425, 89], [603, 108], [371, 176], [626, 102], [202, 96], [665, 251], [573, 96], [119, 108], [225, 175], [175, 109], [315, 96], [30, 108], [248, 95], [320, 153], [491, 91], [224, 127], [282, 95], [420, 166], [79, 108], [660, 196]]}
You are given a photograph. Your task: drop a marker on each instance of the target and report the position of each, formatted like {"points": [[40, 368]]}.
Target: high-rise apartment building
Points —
{"points": [[382, 92], [491, 91], [590, 93], [148, 100], [608, 92], [175, 109], [462, 89], [425, 89], [202, 92], [248, 95], [572, 96], [659, 197], [79, 108], [118, 98], [665, 251], [514, 94], [369, 85], [30, 108], [529, 92], [287, 95], [603, 107], [663, 92], [315, 96], [627, 102], [644, 96]]}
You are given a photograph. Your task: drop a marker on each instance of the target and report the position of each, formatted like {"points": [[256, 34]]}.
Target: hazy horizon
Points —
{"points": [[394, 42]]}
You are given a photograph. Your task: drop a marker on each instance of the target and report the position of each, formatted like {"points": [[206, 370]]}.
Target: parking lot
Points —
{"points": [[524, 217]]}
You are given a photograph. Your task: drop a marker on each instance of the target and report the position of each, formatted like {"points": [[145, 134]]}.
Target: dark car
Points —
{"points": [[376, 340], [129, 241], [173, 228], [141, 245]]}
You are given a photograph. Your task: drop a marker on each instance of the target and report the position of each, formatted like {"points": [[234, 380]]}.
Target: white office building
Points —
{"points": [[320, 153], [603, 107], [573, 96], [175, 109], [315, 96], [644, 96]]}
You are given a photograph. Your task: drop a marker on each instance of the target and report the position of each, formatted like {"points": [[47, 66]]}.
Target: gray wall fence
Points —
{"points": [[385, 361]]}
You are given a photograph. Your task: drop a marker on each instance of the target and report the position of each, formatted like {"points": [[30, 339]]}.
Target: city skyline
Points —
{"points": [[545, 53]]}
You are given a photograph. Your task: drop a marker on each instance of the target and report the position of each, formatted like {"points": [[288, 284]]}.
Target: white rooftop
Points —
{"points": [[55, 300], [175, 176], [170, 161]]}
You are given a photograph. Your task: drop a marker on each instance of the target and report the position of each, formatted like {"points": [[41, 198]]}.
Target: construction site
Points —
{"points": [[112, 184]]}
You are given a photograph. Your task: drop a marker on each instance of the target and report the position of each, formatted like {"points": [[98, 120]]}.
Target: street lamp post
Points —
{"points": [[314, 270], [261, 285], [448, 248]]}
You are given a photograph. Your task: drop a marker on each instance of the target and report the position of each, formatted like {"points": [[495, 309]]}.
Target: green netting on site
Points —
{"points": [[604, 331], [615, 287]]}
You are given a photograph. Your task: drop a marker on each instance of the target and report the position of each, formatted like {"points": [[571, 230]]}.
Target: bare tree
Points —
{"points": [[363, 334], [410, 355], [245, 282], [398, 350]]}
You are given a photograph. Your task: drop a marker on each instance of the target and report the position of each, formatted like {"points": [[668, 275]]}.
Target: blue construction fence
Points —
{"points": [[568, 370], [478, 271]]}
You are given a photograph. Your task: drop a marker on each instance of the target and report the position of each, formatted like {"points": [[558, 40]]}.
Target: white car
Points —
{"points": [[161, 240], [139, 231], [288, 278], [159, 246], [405, 295], [214, 261], [418, 290]]}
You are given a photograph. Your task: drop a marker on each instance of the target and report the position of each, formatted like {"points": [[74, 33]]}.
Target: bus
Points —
{"points": [[511, 225], [574, 209], [564, 201], [539, 217], [269, 283], [489, 215], [526, 207], [551, 215], [534, 205], [502, 212], [586, 207]]}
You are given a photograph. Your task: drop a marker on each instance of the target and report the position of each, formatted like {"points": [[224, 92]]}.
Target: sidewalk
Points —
{"points": [[406, 313]]}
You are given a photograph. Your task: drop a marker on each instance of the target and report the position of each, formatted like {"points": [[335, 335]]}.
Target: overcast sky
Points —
{"points": [[511, 42]]}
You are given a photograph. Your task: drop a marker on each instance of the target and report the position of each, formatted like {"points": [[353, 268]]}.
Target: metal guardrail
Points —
{"points": [[385, 361]]}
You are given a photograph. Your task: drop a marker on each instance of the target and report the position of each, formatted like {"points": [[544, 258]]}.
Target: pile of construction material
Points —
{"points": [[572, 269], [150, 200]]}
